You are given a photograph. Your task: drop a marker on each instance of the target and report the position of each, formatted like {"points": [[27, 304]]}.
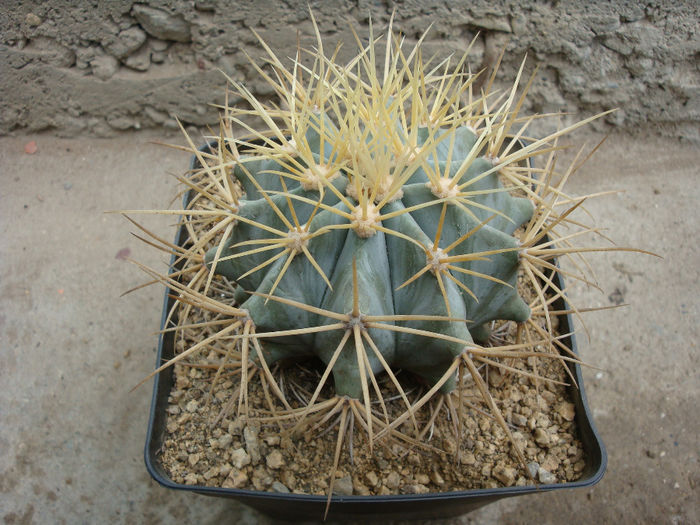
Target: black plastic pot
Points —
{"points": [[403, 506]]}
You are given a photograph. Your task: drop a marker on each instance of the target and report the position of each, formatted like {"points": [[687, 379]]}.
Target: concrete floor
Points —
{"points": [[72, 432]]}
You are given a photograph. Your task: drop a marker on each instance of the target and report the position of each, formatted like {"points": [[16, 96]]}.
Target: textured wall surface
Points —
{"points": [[82, 68]]}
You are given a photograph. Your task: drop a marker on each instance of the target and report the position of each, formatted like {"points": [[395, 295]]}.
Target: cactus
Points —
{"points": [[437, 243], [381, 218]]}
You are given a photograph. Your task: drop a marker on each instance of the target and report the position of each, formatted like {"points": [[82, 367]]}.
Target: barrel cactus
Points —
{"points": [[383, 216]]}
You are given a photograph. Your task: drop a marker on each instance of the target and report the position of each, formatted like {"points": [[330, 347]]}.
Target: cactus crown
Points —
{"points": [[380, 218]]}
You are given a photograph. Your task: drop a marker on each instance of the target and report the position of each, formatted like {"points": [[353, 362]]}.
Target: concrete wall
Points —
{"points": [[98, 68]]}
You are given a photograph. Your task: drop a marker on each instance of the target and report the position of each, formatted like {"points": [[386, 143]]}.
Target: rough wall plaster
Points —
{"points": [[99, 68]]}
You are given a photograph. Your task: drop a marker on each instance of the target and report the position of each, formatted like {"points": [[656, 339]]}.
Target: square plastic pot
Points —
{"points": [[401, 506]]}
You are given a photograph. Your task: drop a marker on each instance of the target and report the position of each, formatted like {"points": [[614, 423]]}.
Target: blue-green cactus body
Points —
{"points": [[383, 262]]}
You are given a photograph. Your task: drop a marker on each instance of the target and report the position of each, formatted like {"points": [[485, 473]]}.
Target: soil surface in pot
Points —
{"points": [[207, 444]]}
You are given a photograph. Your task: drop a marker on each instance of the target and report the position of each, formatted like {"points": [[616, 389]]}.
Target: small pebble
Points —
{"points": [[422, 479], [272, 440], [533, 467], [546, 477], [261, 479], [250, 435], [30, 147], [235, 480], [505, 475], [279, 487], [567, 411], [225, 469], [240, 458], [541, 437], [288, 479], [274, 459], [392, 480], [519, 420], [437, 478], [467, 458], [416, 488], [372, 479], [485, 425], [192, 406], [67, 186], [550, 463], [360, 488], [343, 486], [32, 20], [192, 459]]}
